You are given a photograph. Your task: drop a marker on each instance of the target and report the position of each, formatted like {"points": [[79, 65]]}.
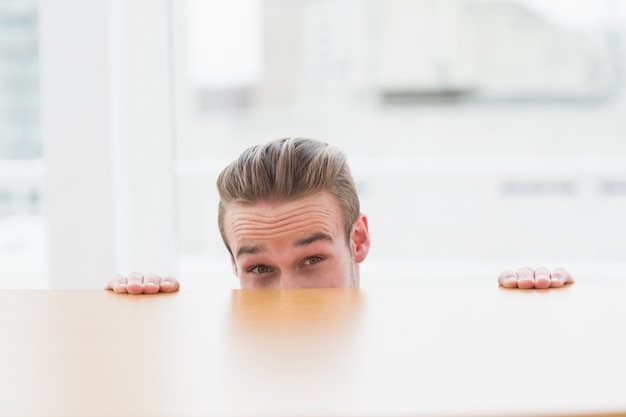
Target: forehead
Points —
{"points": [[274, 221]]}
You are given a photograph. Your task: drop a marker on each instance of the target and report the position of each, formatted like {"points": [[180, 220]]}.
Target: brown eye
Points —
{"points": [[260, 269], [313, 260]]}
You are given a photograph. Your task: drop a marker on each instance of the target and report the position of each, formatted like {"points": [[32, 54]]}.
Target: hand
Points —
{"points": [[137, 283], [538, 278]]}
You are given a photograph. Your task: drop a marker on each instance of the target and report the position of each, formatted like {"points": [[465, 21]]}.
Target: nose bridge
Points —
{"points": [[289, 279]]}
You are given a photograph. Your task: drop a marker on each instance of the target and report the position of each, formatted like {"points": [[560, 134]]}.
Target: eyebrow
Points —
{"points": [[254, 249], [249, 250], [312, 239]]}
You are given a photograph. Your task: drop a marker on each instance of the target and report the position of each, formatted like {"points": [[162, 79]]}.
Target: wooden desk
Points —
{"points": [[434, 350]]}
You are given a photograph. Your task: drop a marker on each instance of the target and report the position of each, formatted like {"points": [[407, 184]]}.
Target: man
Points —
{"points": [[290, 217]]}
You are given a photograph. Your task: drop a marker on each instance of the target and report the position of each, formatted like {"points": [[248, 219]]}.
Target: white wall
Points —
{"points": [[106, 132]]}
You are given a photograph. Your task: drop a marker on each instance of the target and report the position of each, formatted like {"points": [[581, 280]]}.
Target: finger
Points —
{"points": [[169, 284], [542, 278], [151, 283], [560, 277], [525, 278], [117, 284], [508, 279], [135, 283]]}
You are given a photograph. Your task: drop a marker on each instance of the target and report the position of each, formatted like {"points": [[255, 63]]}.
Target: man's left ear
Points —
{"points": [[360, 238]]}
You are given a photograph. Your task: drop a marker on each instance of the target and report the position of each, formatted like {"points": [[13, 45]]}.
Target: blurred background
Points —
{"points": [[482, 134]]}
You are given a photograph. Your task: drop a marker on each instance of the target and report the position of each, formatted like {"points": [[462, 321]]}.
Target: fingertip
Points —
{"points": [[525, 271], [565, 276], [508, 281], [511, 281], [134, 288], [120, 289], [556, 282], [526, 283], [150, 288], [505, 276], [169, 286], [115, 281]]}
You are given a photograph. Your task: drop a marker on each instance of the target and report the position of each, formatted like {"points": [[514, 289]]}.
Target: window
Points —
{"points": [[23, 254], [482, 134]]}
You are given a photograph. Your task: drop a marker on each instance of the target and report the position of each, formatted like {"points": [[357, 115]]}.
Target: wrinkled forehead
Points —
{"points": [[275, 220]]}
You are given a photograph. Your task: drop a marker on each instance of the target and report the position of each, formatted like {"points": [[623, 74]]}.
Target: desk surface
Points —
{"points": [[431, 350]]}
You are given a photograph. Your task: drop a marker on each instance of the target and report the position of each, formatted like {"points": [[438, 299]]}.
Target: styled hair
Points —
{"points": [[285, 170]]}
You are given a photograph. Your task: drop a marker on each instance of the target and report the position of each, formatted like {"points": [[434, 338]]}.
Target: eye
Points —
{"points": [[260, 269], [312, 260]]}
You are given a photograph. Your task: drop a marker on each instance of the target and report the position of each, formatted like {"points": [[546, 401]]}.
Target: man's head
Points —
{"points": [[284, 199]]}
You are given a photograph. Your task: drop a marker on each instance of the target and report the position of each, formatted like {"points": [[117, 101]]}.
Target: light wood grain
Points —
{"points": [[433, 350]]}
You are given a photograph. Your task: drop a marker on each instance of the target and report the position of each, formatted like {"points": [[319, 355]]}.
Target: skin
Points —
{"points": [[302, 244], [295, 244], [528, 278], [137, 283]]}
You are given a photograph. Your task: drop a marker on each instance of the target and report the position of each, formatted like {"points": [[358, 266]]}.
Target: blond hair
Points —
{"points": [[287, 169]]}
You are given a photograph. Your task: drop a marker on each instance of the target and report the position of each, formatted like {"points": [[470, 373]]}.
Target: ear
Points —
{"points": [[360, 239], [233, 264]]}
